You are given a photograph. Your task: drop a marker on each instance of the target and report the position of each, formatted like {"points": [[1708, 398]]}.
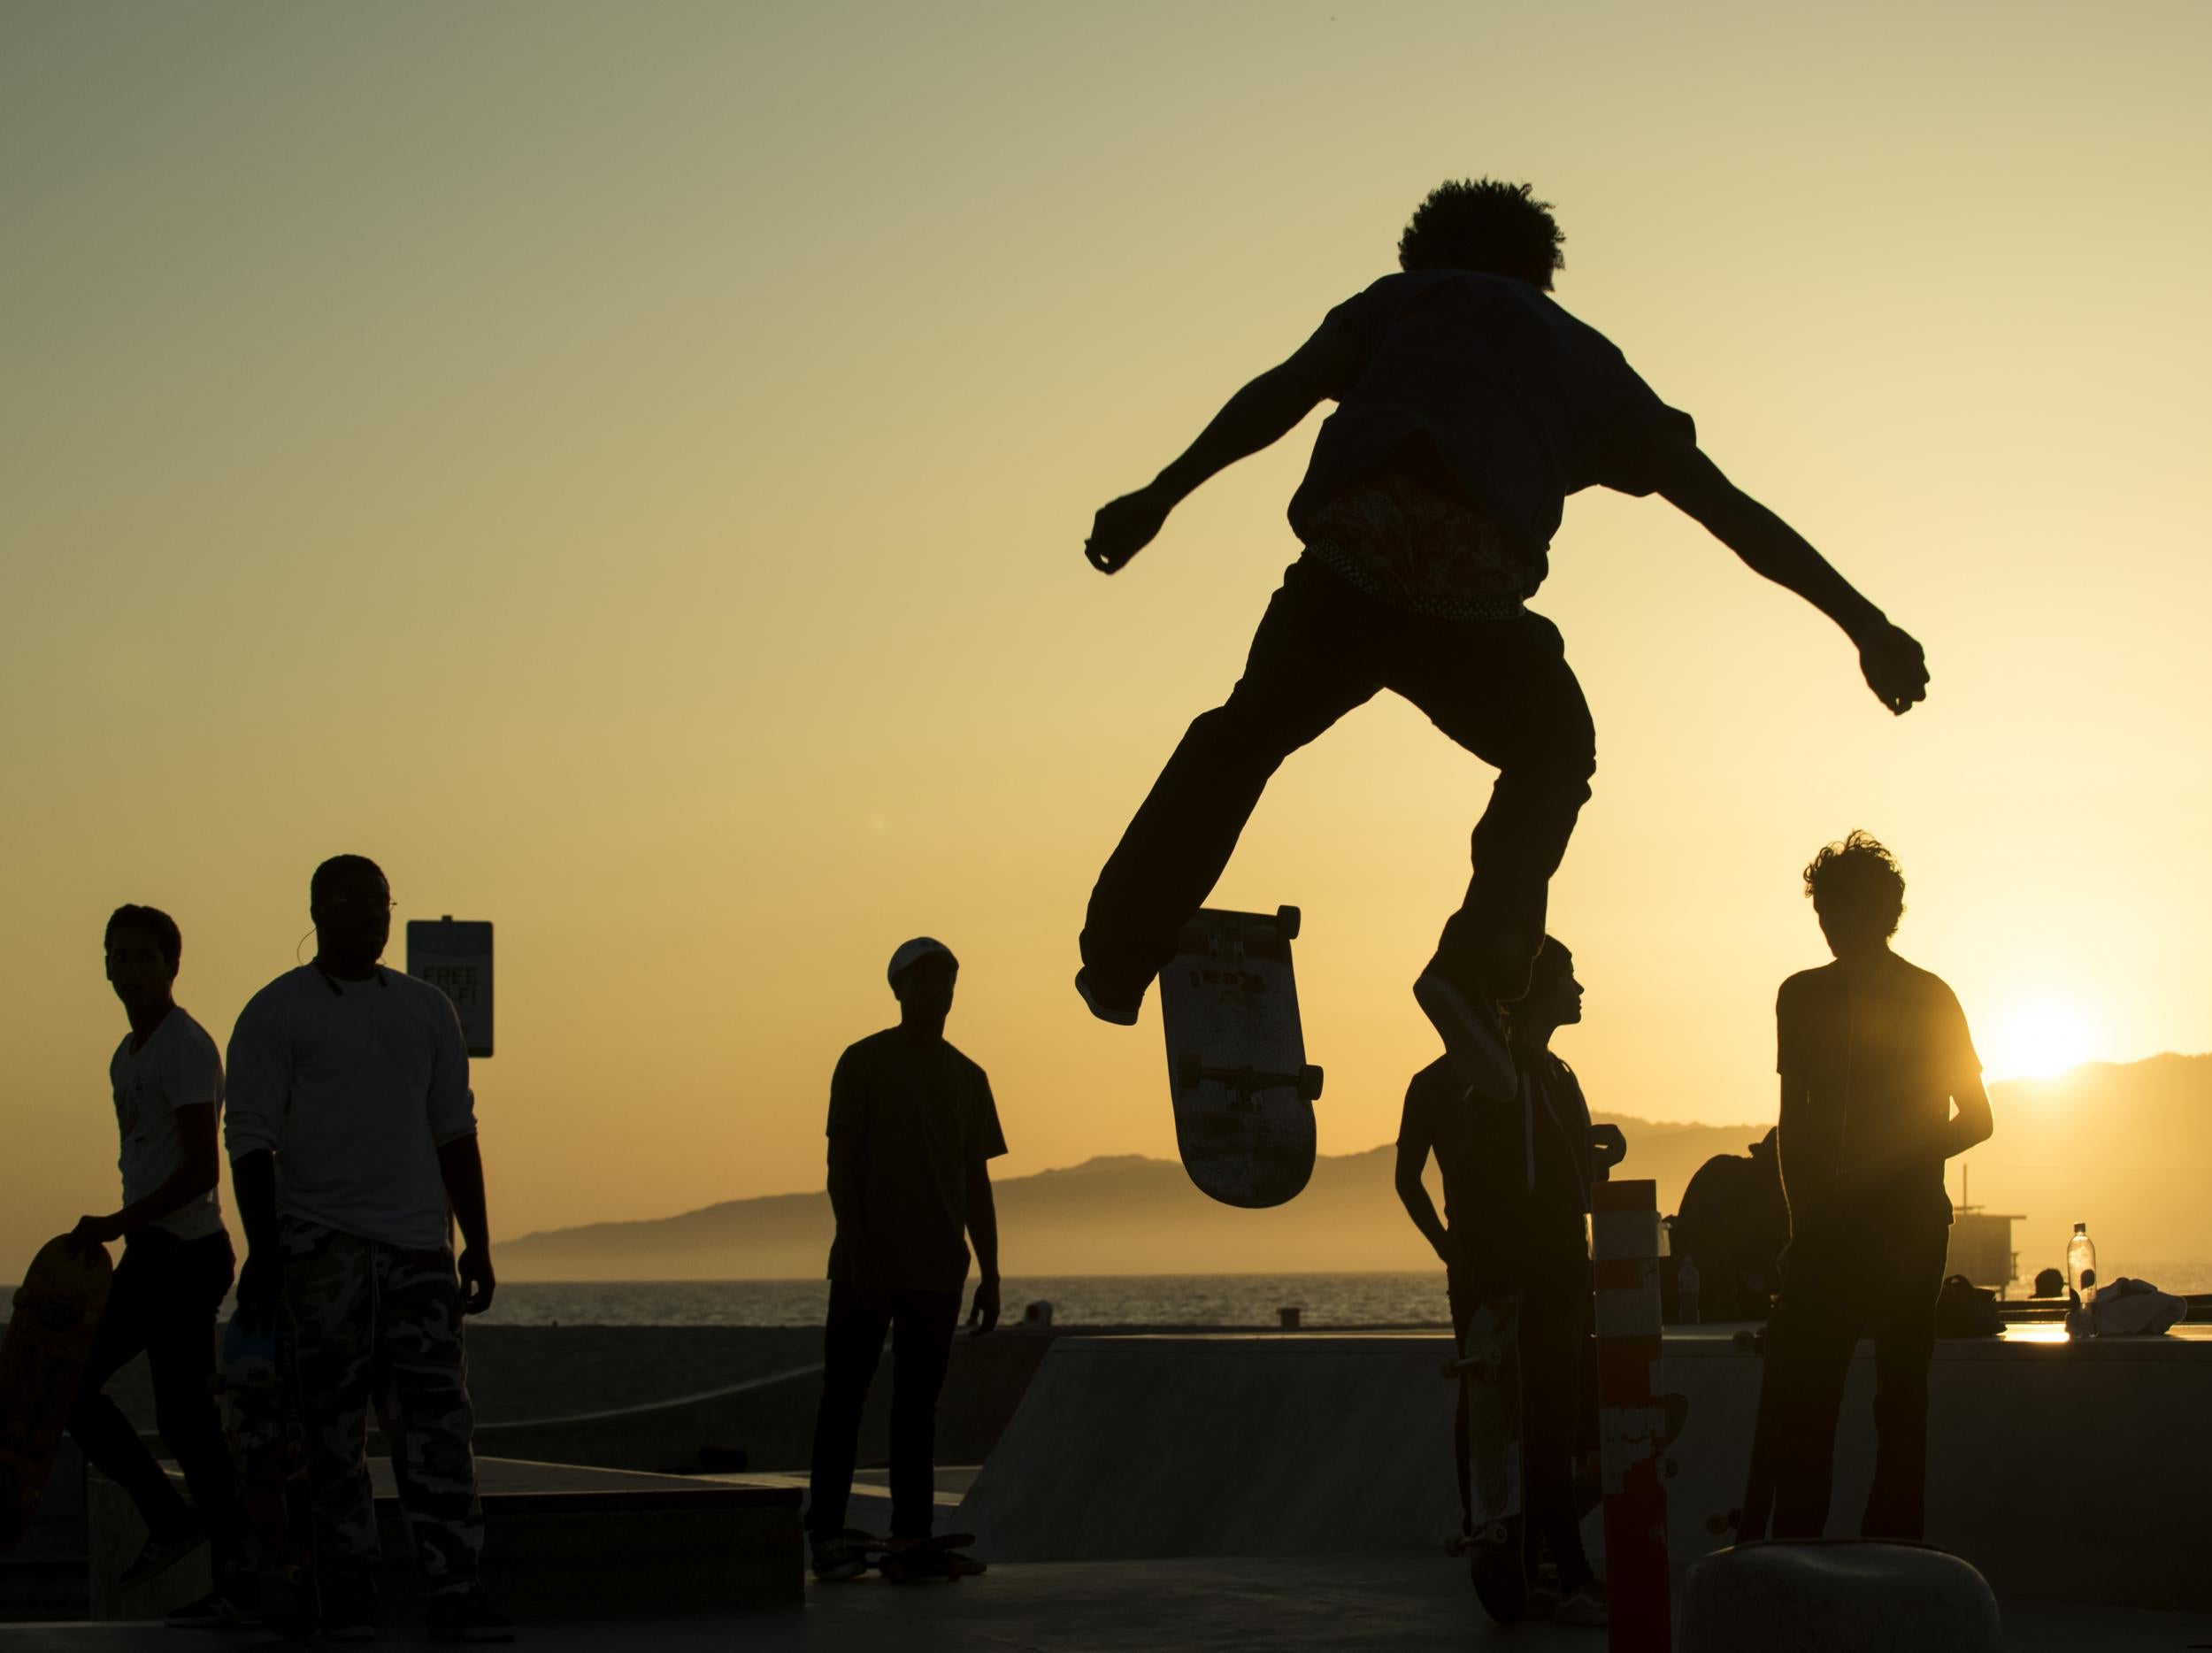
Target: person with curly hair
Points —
{"points": [[1468, 406], [1880, 1085]]}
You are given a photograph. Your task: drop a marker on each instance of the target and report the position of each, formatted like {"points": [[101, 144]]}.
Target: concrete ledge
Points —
{"points": [[2073, 1471], [561, 1540]]}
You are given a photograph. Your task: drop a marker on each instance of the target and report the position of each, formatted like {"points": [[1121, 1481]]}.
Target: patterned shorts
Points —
{"points": [[1394, 538]]}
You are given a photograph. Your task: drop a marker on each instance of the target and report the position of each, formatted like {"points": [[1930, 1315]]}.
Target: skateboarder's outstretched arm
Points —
{"points": [[1261, 413], [1895, 668]]}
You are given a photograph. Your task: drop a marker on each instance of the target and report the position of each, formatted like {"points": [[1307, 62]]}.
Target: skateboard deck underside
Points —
{"points": [[1229, 1002], [1492, 1352], [49, 1336]]}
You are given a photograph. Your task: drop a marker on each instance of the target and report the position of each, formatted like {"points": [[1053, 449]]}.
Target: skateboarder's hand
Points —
{"points": [[1125, 527], [96, 1230], [477, 1283], [1896, 669], [260, 1285], [984, 1316]]}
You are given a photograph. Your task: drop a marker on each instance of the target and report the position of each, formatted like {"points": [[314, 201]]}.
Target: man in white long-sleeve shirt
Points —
{"points": [[352, 1135]]}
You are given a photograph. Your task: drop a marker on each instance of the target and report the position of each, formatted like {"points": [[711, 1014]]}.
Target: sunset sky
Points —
{"points": [[624, 468]]}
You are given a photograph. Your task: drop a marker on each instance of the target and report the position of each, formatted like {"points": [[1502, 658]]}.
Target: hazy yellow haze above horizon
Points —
{"points": [[624, 468]]}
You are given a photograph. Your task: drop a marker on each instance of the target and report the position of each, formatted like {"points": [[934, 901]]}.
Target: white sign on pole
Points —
{"points": [[454, 955]]}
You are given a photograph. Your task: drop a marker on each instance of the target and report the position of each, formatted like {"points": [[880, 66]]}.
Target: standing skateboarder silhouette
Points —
{"points": [[1470, 406]]}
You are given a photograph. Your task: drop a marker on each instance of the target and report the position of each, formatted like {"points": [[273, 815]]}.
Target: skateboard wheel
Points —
{"points": [[1309, 1083], [1190, 1071], [1286, 922]]}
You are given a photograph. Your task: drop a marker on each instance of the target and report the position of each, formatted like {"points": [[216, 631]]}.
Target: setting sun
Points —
{"points": [[2041, 1037]]}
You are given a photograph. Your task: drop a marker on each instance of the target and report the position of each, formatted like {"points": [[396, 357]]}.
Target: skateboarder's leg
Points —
{"points": [[329, 1293], [923, 1323], [423, 1403], [1551, 1330], [852, 1343], [181, 1354], [1809, 1342], [1305, 670], [1503, 690], [1902, 1325], [107, 1439]]}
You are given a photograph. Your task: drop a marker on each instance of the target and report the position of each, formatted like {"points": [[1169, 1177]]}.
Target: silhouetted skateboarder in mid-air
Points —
{"points": [[1470, 406]]}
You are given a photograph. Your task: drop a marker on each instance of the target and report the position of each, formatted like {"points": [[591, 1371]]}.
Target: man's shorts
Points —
{"points": [[1398, 539]]}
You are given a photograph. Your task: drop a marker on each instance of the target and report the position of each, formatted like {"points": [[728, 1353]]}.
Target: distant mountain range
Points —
{"points": [[1121, 1214], [2127, 1149]]}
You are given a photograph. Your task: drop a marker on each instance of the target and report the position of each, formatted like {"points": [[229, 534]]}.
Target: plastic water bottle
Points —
{"points": [[2081, 1280], [1685, 1293]]}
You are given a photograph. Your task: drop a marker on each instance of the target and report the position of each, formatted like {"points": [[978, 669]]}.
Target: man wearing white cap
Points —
{"points": [[912, 1127]]}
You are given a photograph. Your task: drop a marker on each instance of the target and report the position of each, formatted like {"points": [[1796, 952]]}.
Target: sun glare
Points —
{"points": [[2041, 1037]]}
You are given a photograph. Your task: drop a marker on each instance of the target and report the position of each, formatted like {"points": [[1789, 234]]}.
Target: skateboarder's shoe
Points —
{"points": [[1473, 1035], [351, 1611], [1121, 1013], [1587, 1607], [466, 1615], [842, 1556], [212, 1611], [158, 1555]]}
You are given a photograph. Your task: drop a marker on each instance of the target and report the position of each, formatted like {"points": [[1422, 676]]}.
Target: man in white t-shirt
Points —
{"points": [[352, 1138], [177, 1263]]}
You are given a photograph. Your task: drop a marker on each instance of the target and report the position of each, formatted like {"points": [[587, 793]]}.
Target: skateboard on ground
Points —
{"points": [[1489, 1365], [1236, 1057], [937, 1557], [271, 1469], [42, 1365]]}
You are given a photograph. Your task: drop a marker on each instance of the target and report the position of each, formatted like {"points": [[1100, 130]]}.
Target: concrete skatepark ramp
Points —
{"points": [[1139, 1447]]}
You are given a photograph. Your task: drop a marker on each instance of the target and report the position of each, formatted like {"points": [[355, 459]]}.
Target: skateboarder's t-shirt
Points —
{"points": [[1487, 382], [1880, 1049], [177, 1067], [355, 1084], [920, 1115]]}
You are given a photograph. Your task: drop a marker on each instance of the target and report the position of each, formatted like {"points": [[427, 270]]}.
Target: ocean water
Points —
{"points": [[1217, 1300], [1166, 1300]]}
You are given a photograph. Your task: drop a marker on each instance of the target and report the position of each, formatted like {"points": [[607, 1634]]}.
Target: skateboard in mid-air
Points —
{"points": [[1489, 1365], [271, 1473], [1236, 1057], [937, 1557], [41, 1363]]}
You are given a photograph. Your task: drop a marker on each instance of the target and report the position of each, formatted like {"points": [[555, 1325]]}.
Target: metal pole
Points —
{"points": [[1631, 1423]]}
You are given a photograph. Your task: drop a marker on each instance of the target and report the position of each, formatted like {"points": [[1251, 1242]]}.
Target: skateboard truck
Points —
{"points": [[1191, 1072]]}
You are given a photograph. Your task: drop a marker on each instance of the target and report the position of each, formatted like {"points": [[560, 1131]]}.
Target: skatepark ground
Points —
{"points": [[1401, 1603]]}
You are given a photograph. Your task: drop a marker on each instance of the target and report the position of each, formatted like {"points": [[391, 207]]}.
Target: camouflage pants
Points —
{"points": [[381, 1324]]}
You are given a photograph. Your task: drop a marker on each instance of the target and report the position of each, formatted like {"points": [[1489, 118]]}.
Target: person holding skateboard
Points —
{"points": [[912, 1131], [352, 1135], [1468, 406], [1873, 1054], [1516, 1185], [167, 1076]]}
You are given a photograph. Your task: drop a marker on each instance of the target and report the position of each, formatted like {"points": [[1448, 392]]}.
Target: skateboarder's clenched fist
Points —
{"points": [[1125, 527], [1897, 668]]}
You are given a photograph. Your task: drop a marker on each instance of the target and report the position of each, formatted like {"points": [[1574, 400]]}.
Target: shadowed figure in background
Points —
{"points": [[1470, 406], [1516, 1186], [1733, 1226], [167, 1081], [912, 1131], [1873, 1053], [352, 1135]]}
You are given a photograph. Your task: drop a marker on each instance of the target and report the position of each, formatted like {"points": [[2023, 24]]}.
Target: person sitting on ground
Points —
{"points": [[352, 1137], [1470, 406], [1873, 1054], [1516, 1189], [167, 1081], [912, 1131]]}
